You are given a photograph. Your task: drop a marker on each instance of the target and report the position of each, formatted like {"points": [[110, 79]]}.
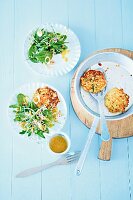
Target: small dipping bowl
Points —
{"points": [[58, 143]]}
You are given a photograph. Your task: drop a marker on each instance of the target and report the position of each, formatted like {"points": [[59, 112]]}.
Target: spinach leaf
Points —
{"points": [[32, 52]]}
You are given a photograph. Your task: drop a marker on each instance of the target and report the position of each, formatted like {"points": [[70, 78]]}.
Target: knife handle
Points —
{"points": [[35, 170]]}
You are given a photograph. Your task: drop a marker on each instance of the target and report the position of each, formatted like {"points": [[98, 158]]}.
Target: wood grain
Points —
{"points": [[118, 128], [105, 150]]}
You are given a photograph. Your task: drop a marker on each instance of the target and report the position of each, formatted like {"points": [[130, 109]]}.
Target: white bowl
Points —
{"points": [[118, 76], [49, 137], [60, 67]]}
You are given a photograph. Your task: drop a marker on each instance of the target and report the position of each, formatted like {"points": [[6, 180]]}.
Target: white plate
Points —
{"points": [[60, 67], [29, 90], [119, 71]]}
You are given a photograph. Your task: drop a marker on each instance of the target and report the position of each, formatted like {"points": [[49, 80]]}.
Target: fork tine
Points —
{"points": [[73, 158], [72, 155]]}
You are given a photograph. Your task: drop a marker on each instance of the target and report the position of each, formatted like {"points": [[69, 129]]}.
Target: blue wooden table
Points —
{"points": [[98, 24]]}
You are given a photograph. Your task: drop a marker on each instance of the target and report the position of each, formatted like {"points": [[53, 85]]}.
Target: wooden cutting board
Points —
{"points": [[118, 129]]}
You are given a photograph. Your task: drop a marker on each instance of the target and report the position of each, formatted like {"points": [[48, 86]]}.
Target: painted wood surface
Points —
{"points": [[98, 24]]}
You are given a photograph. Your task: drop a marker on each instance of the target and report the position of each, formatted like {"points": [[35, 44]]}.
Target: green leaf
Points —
{"points": [[40, 133], [22, 132], [29, 134], [43, 55], [33, 59], [13, 106], [47, 130], [22, 99], [17, 119], [63, 37], [31, 53], [32, 105]]}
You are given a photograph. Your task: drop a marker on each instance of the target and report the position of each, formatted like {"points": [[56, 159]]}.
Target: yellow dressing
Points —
{"points": [[64, 54], [58, 144]]}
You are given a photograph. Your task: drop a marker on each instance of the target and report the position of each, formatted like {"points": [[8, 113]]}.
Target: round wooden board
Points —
{"points": [[118, 129]]}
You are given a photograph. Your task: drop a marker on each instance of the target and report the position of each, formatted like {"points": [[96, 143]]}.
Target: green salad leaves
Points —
{"points": [[45, 45], [33, 120]]}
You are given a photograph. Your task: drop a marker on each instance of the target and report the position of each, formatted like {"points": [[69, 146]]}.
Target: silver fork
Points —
{"points": [[99, 97], [63, 160]]}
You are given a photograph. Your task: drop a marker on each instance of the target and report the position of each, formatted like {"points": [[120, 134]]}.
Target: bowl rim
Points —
{"points": [[58, 133], [77, 78]]}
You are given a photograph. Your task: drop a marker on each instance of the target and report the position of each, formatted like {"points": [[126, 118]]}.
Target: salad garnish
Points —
{"points": [[32, 118], [46, 44]]}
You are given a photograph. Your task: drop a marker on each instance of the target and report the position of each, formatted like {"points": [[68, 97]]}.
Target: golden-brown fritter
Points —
{"points": [[93, 81], [116, 100], [46, 96]]}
